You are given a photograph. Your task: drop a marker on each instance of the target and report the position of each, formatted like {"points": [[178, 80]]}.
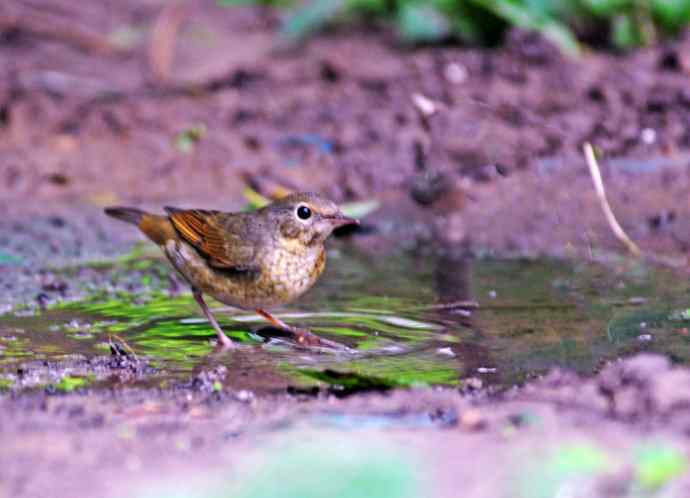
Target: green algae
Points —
{"points": [[532, 315], [70, 383], [656, 464]]}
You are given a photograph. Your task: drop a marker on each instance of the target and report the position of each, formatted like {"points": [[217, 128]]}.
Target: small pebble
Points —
{"points": [[648, 136], [472, 420], [644, 337], [244, 395], [445, 351], [424, 105], [485, 370], [456, 73]]}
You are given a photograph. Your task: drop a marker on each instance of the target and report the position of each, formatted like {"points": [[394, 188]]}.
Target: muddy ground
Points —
{"points": [[622, 433], [92, 114]]}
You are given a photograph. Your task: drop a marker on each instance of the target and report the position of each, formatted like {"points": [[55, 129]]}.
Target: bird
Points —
{"points": [[249, 260]]}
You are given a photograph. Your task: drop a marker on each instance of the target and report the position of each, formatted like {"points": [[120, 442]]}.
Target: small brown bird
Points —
{"points": [[249, 260]]}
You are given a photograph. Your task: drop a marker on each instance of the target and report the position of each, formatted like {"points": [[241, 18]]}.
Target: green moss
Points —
{"points": [[630, 23], [68, 384], [656, 465], [569, 465]]}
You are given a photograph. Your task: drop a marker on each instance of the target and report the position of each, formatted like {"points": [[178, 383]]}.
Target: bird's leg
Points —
{"points": [[222, 338], [302, 336], [277, 322]]}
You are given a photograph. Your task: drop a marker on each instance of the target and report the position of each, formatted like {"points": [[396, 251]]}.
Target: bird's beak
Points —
{"points": [[339, 220]]}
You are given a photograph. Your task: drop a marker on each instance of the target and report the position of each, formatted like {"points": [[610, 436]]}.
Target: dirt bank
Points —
{"points": [[620, 433]]}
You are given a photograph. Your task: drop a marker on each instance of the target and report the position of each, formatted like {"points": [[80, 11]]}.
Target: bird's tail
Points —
{"points": [[155, 227], [128, 214]]}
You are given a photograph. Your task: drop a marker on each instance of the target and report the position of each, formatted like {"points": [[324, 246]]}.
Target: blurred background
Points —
{"points": [[438, 106]]}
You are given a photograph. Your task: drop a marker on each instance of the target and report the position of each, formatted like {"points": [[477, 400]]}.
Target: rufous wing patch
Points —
{"points": [[199, 228]]}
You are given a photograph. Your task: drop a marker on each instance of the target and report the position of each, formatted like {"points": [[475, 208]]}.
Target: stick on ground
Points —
{"points": [[595, 172]]}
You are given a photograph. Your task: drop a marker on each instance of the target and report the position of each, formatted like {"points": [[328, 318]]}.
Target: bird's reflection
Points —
{"points": [[453, 283]]}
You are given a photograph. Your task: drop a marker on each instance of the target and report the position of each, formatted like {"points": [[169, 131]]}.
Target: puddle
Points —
{"points": [[532, 315]]}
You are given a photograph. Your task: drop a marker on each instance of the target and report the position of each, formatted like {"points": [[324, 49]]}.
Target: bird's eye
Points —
{"points": [[303, 213]]}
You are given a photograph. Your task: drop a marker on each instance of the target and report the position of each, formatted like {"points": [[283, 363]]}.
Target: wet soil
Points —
{"points": [[92, 114]]}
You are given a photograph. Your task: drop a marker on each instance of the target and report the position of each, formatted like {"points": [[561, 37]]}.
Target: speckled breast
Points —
{"points": [[284, 276]]}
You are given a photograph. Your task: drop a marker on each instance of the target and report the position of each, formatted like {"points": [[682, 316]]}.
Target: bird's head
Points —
{"points": [[306, 218]]}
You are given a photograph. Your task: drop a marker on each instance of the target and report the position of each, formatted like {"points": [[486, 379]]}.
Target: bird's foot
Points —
{"points": [[306, 338], [303, 337], [223, 342]]}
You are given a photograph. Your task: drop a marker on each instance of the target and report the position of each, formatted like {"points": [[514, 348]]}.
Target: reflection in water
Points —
{"points": [[533, 314], [452, 274]]}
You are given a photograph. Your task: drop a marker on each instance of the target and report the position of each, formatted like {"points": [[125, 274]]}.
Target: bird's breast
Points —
{"points": [[289, 275], [283, 276]]}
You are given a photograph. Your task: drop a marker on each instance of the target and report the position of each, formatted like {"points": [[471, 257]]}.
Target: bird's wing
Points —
{"points": [[225, 245]]}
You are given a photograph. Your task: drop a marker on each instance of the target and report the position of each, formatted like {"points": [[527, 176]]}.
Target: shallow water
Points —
{"points": [[532, 315]]}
